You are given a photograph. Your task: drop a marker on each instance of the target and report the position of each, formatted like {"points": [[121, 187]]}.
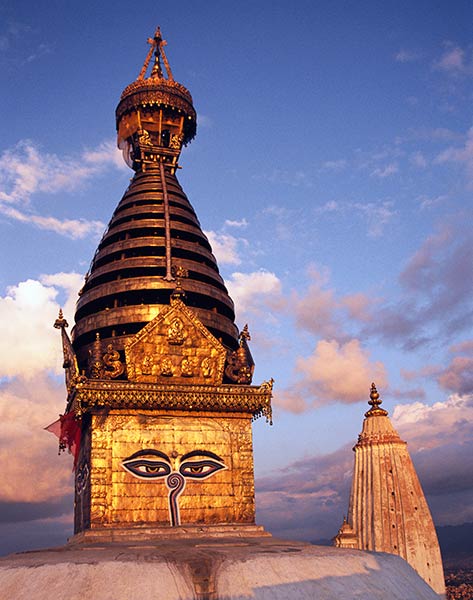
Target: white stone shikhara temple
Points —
{"points": [[159, 412], [388, 511]]}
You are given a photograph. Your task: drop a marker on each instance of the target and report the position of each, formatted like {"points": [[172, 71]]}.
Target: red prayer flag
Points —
{"points": [[68, 429]]}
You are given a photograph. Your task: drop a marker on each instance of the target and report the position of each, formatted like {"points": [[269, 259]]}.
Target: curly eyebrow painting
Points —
{"points": [[151, 464]]}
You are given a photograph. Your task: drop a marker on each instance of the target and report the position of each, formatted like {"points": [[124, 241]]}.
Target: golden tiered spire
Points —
{"points": [[164, 394], [153, 249]]}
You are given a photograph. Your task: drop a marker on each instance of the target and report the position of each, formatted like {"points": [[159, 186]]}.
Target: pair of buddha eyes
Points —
{"points": [[153, 464]]}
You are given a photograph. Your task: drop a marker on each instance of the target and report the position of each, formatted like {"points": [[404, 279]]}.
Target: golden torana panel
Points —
{"points": [[176, 347]]}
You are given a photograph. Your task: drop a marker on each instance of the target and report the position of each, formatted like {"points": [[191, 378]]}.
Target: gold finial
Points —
{"points": [[245, 334], [375, 402], [60, 322], [157, 47], [163, 43], [179, 272], [157, 71], [96, 367]]}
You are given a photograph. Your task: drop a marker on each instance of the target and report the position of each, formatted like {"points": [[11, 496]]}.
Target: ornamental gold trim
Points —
{"points": [[255, 400], [175, 345]]}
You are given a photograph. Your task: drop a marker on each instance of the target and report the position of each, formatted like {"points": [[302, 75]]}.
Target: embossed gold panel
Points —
{"points": [[175, 348], [117, 498]]}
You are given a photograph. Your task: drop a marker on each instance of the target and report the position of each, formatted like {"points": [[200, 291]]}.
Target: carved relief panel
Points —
{"points": [[175, 347]]}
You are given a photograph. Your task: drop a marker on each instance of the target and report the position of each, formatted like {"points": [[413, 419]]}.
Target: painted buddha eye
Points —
{"points": [[147, 464], [200, 469]]}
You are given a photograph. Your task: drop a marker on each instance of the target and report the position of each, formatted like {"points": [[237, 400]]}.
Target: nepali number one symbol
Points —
{"points": [[153, 464]]}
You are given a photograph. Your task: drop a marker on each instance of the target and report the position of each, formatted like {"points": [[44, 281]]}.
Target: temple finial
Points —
{"points": [[163, 43], [375, 402], [157, 71], [157, 48], [60, 322], [244, 334], [178, 273]]}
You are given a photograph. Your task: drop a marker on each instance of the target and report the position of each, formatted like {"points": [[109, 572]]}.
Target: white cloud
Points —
{"points": [[13, 47], [250, 290], [405, 56], [386, 171], [105, 154], [204, 121], [31, 396], [31, 468], [452, 60], [429, 426], [418, 160], [427, 202], [72, 228], [334, 372], [359, 306], [26, 171], [29, 344], [224, 247], [41, 50], [69, 284], [12, 32], [377, 215], [335, 165], [330, 206], [339, 372], [241, 223], [461, 155], [315, 310], [292, 178]]}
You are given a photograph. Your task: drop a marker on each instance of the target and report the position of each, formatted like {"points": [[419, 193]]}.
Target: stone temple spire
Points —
{"points": [[388, 511]]}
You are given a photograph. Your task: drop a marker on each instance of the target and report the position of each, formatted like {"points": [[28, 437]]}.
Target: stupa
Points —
{"points": [[388, 511], [158, 376], [159, 408]]}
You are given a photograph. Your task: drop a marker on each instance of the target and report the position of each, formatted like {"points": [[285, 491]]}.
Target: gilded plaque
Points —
{"points": [[176, 347]]}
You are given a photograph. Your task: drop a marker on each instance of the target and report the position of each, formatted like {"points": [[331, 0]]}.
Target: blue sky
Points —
{"points": [[332, 171]]}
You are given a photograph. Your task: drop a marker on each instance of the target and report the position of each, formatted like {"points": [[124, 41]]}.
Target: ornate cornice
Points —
{"points": [[156, 93], [91, 394], [150, 93], [378, 438]]}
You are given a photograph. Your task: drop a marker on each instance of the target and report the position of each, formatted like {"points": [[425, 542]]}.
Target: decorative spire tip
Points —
{"points": [[60, 322], [375, 402]]}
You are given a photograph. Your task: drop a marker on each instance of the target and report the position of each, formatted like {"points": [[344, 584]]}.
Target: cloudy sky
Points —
{"points": [[332, 172]]}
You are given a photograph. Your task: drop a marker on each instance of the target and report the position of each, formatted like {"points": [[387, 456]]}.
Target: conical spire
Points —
{"points": [[388, 511], [154, 247]]}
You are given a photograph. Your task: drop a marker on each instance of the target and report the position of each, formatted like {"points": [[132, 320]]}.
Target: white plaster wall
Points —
{"points": [[271, 573]]}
